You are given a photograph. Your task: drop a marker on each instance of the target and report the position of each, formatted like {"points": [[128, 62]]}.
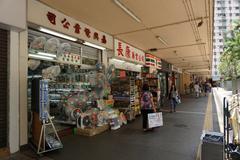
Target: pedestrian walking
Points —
{"points": [[173, 96], [196, 89], [147, 105]]}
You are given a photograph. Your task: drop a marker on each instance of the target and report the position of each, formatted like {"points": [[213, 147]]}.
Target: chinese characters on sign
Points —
{"points": [[129, 53], [77, 28]]}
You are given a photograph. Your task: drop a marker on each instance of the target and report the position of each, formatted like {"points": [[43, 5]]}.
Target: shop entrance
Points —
{"points": [[3, 87]]}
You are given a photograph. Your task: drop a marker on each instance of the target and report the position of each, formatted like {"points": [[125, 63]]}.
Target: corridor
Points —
{"points": [[179, 138]]}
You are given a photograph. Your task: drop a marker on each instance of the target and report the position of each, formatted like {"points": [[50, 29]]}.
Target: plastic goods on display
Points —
{"points": [[52, 45], [33, 64], [38, 43]]}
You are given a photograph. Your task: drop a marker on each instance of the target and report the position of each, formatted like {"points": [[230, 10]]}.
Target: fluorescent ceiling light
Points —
{"points": [[130, 13], [162, 40], [57, 34], [47, 54], [39, 56], [94, 45], [118, 60]]}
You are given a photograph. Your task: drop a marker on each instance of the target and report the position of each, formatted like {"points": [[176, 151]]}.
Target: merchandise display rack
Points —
{"points": [[126, 96]]}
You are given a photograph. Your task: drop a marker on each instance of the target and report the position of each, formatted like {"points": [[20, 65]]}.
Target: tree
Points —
{"points": [[229, 65]]}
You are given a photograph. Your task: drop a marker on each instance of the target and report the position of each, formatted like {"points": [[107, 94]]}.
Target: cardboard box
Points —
{"points": [[90, 131]]}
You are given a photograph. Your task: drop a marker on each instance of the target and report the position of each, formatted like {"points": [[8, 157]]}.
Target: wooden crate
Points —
{"points": [[90, 131]]}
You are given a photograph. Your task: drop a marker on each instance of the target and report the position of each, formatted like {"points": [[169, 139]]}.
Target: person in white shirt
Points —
{"points": [[196, 88]]}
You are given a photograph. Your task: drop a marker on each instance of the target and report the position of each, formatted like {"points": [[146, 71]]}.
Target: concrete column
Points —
{"points": [[14, 92], [23, 68]]}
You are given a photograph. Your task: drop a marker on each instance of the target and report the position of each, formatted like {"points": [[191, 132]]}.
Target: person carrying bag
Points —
{"points": [[174, 98], [147, 105]]}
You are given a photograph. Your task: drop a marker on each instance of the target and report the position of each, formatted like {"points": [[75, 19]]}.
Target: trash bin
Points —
{"points": [[212, 146]]}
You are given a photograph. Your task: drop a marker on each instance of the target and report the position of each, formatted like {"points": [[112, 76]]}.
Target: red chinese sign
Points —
{"points": [[129, 53], [52, 18]]}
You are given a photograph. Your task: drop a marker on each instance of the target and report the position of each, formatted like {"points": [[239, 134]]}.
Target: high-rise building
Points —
{"points": [[225, 12]]}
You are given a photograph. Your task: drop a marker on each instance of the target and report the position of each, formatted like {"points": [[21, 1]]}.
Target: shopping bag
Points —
{"points": [[155, 120], [178, 99]]}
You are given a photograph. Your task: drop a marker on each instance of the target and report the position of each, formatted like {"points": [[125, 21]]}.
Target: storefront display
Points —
{"points": [[77, 91], [126, 94]]}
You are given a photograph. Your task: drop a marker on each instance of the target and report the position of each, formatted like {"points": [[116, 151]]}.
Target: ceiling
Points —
{"points": [[175, 21]]}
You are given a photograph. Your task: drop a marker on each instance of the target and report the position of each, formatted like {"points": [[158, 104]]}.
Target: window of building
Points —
{"points": [[214, 53], [236, 7], [230, 14], [216, 73], [215, 66], [237, 14]]}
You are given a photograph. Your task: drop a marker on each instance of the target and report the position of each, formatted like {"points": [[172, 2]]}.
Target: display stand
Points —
{"points": [[123, 91], [52, 144]]}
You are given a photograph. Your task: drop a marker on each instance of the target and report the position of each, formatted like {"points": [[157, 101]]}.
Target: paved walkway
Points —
{"points": [[178, 139]]}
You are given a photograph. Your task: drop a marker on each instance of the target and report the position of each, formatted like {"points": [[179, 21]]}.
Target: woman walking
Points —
{"points": [[147, 105], [173, 95]]}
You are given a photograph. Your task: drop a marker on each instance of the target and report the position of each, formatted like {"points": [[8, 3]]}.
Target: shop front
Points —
{"points": [[153, 64], [165, 81], [66, 78], [126, 85]]}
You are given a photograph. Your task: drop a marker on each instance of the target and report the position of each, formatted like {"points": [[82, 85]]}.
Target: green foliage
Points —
{"points": [[229, 66]]}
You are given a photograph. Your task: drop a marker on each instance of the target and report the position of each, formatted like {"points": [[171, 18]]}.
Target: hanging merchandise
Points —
{"points": [[100, 67], [33, 64], [111, 73], [100, 84], [92, 78], [38, 43], [52, 45], [63, 50], [51, 72]]}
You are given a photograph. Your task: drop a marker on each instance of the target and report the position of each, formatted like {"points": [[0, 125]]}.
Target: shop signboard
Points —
{"points": [[174, 68], [45, 16], [126, 52], [179, 70], [159, 63], [151, 60]]}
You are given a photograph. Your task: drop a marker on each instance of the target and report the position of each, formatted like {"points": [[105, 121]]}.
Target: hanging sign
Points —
{"points": [[126, 52], [150, 60], [159, 63], [42, 15], [174, 68], [180, 70], [153, 61]]}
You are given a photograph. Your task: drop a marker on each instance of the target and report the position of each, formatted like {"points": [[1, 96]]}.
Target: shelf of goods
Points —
{"points": [[155, 90], [126, 96]]}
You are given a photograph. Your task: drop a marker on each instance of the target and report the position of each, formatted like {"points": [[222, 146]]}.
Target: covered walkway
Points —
{"points": [[179, 138]]}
